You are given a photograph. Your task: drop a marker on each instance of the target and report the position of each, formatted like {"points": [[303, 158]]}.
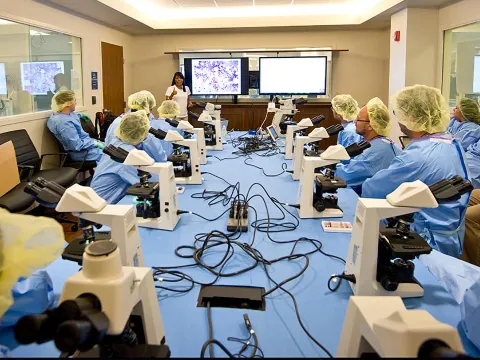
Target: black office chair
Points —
{"points": [[29, 164], [81, 166]]}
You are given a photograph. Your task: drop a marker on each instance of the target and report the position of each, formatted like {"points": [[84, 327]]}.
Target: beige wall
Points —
{"points": [[362, 72], [92, 35]]}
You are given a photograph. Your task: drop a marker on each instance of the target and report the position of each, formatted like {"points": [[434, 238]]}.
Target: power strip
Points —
{"points": [[238, 217]]}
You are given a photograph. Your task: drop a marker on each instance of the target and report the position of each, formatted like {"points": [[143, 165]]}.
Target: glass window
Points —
{"points": [[34, 64], [253, 60], [461, 63]]}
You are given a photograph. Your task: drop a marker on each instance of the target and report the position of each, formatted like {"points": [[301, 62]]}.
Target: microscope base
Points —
{"points": [[404, 290], [289, 156], [309, 212], [214, 147], [158, 223], [295, 176], [191, 180]]}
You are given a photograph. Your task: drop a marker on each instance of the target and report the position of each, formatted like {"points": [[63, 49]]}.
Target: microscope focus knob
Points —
{"points": [[388, 284], [319, 206]]}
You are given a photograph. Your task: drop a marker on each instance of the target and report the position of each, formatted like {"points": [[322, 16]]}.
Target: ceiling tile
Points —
{"points": [[195, 3]]}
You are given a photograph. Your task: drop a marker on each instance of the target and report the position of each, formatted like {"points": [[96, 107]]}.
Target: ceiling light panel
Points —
{"points": [[234, 2], [273, 2], [195, 3]]}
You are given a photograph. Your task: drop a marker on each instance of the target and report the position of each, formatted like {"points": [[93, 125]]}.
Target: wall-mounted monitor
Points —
{"points": [[37, 77], [293, 75], [476, 74], [3, 80], [222, 76]]}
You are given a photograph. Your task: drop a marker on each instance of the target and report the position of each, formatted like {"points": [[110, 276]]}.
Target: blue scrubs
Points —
{"points": [[364, 166], [348, 135], [466, 133], [112, 179], [76, 142], [462, 281], [429, 159], [473, 161]]}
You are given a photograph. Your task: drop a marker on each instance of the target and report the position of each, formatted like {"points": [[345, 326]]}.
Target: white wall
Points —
{"points": [[362, 71], [92, 34]]}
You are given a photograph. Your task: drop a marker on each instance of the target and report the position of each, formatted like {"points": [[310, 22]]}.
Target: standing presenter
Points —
{"points": [[179, 93]]}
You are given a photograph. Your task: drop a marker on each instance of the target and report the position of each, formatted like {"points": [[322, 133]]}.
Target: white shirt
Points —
{"points": [[181, 98]]}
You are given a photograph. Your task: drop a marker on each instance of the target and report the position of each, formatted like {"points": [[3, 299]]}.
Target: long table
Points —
{"points": [[277, 328]]}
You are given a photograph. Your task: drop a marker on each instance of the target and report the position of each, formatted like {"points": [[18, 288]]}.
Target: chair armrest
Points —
{"points": [[30, 169], [63, 158]]}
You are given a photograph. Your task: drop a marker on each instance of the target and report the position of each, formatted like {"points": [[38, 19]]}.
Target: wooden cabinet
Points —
{"points": [[246, 116]]}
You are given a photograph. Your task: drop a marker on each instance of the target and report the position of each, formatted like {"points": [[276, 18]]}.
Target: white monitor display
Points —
{"points": [[216, 76], [476, 74], [37, 77], [293, 75], [3, 80]]}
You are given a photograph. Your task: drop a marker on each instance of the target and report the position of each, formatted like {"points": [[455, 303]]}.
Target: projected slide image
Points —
{"points": [[216, 76], [476, 75], [3, 80], [37, 77]]}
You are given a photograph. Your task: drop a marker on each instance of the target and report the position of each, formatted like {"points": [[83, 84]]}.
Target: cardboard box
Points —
{"points": [[8, 168]]}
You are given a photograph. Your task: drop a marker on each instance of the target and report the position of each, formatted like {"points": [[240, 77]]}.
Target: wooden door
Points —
{"points": [[113, 78]]}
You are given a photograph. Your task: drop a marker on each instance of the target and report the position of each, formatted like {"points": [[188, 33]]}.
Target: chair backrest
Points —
{"points": [[24, 149]]}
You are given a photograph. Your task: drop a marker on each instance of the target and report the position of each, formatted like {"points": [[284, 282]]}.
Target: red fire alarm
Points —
{"points": [[396, 36]]}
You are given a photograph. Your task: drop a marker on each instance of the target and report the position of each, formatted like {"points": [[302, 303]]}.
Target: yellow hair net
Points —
{"points": [[142, 100], [470, 110], [62, 99], [345, 106], [169, 109], [379, 117], [133, 127], [421, 108], [24, 249]]}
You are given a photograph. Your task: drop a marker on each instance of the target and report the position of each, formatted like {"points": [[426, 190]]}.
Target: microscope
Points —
{"points": [[212, 123], [299, 130], [316, 204], [381, 326], [189, 131], [185, 158], [106, 311], [284, 115], [92, 210], [314, 138], [379, 260], [156, 202]]}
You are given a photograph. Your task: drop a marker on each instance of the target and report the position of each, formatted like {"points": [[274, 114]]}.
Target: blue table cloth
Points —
{"points": [[277, 328]]}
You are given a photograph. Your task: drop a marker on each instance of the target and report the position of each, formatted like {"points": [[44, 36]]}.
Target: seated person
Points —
{"points": [[373, 124], [142, 100], [168, 110], [432, 155], [65, 124], [464, 125], [471, 244], [462, 281], [345, 110], [112, 179], [473, 162]]}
